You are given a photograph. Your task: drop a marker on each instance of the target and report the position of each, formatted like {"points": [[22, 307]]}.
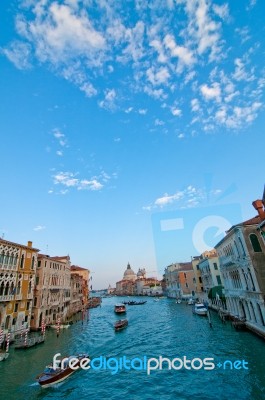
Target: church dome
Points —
{"points": [[129, 273]]}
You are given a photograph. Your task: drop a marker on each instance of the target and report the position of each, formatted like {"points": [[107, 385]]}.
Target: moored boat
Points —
{"points": [[62, 326], [120, 309], [200, 309], [51, 376], [190, 302], [3, 355], [121, 324]]}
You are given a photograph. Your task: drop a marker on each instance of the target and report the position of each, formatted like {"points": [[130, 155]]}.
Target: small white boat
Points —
{"points": [[190, 302], [3, 355], [200, 309], [62, 326], [178, 301]]}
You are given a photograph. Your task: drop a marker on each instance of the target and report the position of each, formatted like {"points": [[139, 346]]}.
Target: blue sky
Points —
{"points": [[116, 115]]}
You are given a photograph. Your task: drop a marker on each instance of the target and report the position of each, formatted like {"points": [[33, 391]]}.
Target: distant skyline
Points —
{"points": [[122, 120]]}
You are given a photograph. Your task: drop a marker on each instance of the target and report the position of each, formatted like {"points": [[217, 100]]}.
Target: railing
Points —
{"points": [[18, 296], [227, 260], [7, 297]]}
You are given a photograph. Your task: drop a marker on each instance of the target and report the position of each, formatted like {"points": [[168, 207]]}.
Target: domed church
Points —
{"points": [[129, 274]]}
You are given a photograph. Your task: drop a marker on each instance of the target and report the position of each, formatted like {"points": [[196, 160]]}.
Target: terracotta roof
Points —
{"points": [[77, 268], [253, 221]]}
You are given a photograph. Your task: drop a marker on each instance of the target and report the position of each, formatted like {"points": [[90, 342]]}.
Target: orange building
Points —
{"points": [[18, 265], [84, 273]]}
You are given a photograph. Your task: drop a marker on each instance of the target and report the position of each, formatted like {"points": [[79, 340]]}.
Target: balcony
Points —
{"points": [[226, 261], [18, 297], [7, 297]]}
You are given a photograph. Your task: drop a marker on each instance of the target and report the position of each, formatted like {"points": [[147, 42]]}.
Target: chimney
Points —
{"points": [[258, 205], [29, 243]]}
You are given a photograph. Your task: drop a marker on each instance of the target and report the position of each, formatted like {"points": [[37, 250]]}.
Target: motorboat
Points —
{"points": [[61, 326], [190, 302], [3, 355], [51, 376], [200, 309], [178, 301], [120, 309], [135, 303], [121, 324]]}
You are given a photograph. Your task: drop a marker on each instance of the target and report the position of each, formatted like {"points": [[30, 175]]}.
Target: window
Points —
{"points": [[242, 247], [35, 301], [32, 262], [22, 261], [39, 264], [26, 318], [28, 305], [37, 280], [16, 307], [255, 243], [215, 266], [186, 285], [218, 279]]}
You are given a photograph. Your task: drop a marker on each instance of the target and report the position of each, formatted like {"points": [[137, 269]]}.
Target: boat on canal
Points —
{"points": [[134, 303], [120, 308], [3, 355], [121, 324], [51, 376], [200, 309], [62, 326]]}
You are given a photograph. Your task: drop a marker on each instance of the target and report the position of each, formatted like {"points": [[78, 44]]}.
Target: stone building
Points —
{"points": [[242, 264], [52, 290], [17, 279], [180, 280], [84, 273]]}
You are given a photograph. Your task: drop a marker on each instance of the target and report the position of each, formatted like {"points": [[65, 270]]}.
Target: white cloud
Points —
{"points": [[90, 185], [211, 92], [109, 101], [176, 112], [184, 55], [129, 110], [181, 136], [19, 54], [240, 73], [158, 122], [195, 105], [221, 11], [70, 180], [39, 228], [159, 76], [59, 153], [142, 111]]}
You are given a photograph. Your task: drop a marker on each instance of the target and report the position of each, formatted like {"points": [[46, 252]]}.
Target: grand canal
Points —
{"points": [[156, 328]]}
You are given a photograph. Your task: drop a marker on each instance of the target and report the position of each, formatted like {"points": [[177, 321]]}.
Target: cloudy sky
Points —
{"points": [[118, 115]]}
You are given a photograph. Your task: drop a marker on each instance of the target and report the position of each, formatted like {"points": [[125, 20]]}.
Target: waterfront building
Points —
{"points": [[180, 280], [17, 279], [259, 205], [210, 275], [127, 286], [52, 290], [242, 264], [197, 275], [110, 290], [84, 273], [76, 302]]}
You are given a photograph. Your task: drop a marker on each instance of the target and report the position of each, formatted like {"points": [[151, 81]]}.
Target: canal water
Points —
{"points": [[158, 328]]}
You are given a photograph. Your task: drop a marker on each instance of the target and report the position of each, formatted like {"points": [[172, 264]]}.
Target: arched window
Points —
{"points": [[242, 247], [255, 243], [22, 261], [2, 257], [32, 262]]}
